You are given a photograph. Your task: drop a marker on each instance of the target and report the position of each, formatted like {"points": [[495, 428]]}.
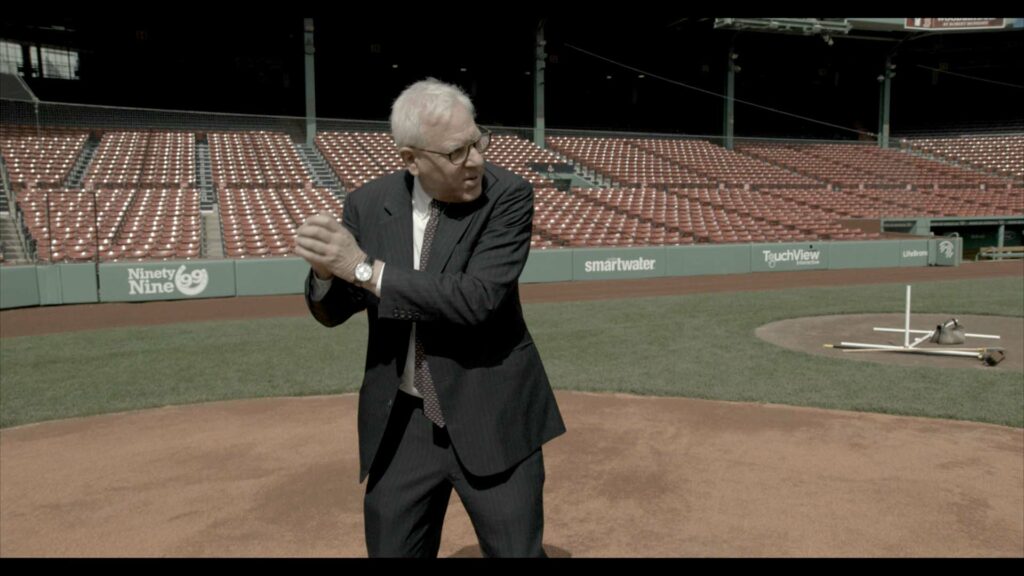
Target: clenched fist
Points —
{"points": [[328, 247]]}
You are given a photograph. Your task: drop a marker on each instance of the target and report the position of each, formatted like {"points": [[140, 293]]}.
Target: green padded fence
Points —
{"points": [[175, 280]]}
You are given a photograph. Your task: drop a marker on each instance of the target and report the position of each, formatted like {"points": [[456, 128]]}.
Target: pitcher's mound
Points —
{"points": [[812, 333]]}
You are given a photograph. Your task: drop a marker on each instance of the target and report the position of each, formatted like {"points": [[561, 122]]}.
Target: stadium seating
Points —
{"points": [[139, 201], [262, 222], [40, 158], [998, 155], [137, 159]]}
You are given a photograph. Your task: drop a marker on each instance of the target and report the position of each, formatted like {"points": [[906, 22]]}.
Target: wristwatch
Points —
{"points": [[364, 270]]}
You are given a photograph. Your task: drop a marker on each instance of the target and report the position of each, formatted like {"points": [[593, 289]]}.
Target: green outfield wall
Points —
{"points": [[47, 285]]}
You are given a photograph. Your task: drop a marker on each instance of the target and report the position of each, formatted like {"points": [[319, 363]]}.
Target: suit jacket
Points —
{"points": [[497, 402]]}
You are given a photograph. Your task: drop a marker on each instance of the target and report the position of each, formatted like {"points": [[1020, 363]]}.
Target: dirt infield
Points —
{"points": [[633, 477], [667, 477]]}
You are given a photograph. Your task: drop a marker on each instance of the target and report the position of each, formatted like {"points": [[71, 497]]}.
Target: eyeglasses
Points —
{"points": [[459, 155]]}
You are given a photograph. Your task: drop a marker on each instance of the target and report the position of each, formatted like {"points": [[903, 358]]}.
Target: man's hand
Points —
{"points": [[328, 247]]}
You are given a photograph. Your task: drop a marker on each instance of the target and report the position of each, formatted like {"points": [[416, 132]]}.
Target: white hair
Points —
{"points": [[426, 102]]}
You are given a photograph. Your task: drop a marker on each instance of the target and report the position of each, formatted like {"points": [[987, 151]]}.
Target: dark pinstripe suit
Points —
{"points": [[498, 405]]}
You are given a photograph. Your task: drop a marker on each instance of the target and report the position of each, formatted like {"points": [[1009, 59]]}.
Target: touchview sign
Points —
{"points": [[167, 280], [779, 257], [799, 257]]}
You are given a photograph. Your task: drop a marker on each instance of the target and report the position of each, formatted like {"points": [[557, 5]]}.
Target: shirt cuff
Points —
{"points": [[320, 288]]}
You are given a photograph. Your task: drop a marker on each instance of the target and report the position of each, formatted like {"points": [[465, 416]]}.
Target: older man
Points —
{"points": [[454, 393]]}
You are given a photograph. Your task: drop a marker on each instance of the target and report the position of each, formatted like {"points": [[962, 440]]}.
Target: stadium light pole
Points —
{"points": [[538, 88], [310, 82], [886, 79], [730, 95]]}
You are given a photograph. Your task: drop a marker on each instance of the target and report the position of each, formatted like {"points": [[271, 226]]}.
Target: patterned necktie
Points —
{"points": [[422, 379]]}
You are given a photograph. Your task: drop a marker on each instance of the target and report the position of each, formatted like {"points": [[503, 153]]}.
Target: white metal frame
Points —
{"points": [[911, 347]]}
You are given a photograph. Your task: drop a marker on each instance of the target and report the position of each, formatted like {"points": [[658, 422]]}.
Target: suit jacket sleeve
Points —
{"points": [[343, 299], [470, 296]]}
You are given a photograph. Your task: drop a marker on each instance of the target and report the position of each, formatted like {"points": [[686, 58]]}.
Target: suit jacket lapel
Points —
{"points": [[396, 225], [455, 218]]}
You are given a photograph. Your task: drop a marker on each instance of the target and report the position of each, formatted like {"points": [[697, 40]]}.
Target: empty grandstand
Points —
{"points": [[106, 185]]}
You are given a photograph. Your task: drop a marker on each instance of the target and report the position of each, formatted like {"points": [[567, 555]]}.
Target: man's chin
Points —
{"points": [[467, 195]]}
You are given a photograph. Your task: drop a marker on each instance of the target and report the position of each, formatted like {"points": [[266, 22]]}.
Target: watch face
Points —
{"points": [[363, 272]]}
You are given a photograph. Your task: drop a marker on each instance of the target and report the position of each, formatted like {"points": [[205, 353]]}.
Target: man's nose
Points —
{"points": [[474, 158]]}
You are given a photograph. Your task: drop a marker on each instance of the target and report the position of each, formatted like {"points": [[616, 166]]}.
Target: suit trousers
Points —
{"points": [[411, 480]]}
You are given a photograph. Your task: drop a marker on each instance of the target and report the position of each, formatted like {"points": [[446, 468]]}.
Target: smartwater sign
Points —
{"points": [[139, 282], [783, 257], [596, 264]]}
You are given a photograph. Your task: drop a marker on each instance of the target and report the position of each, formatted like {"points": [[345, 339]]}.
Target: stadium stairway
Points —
{"points": [[74, 179], [204, 177], [14, 251], [323, 177], [213, 244]]}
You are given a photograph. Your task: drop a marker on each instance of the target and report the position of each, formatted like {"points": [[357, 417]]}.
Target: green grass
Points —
{"points": [[698, 346], [703, 346]]}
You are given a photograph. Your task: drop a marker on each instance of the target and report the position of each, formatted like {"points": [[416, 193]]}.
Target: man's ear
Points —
{"points": [[409, 159]]}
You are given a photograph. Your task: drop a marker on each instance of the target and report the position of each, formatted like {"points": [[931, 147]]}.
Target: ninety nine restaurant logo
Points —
{"points": [[799, 256], [946, 247], [167, 280], [616, 264]]}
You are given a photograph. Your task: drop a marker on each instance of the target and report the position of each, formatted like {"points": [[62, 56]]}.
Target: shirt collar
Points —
{"points": [[420, 198]]}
